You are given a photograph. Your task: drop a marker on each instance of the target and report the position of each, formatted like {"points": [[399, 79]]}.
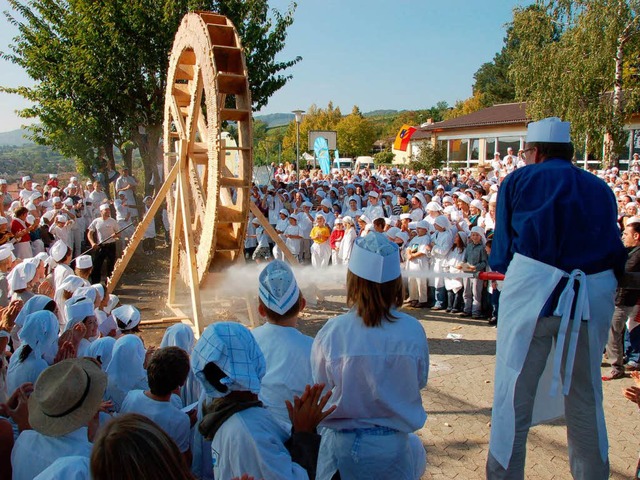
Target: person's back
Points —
{"points": [[560, 215], [172, 420], [287, 353], [34, 452]]}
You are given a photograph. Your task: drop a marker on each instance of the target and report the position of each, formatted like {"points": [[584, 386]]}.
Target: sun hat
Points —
{"points": [[66, 396]]}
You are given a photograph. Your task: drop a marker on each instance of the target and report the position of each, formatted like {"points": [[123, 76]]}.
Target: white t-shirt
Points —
{"points": [[287, 353], [104, 229], [172, 420], [293, 243]]}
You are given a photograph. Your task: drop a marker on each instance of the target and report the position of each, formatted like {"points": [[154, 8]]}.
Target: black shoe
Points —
{"points": [[464, 314], [493, 321], [422, 305], [448, 310]]}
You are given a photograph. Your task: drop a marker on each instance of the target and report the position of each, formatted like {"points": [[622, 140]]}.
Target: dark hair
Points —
{"points": [[553, 150], [167, 370], [50, 306], [213, 374], [123, 327], [635, 226], [25, 352], [20, 211], [132, 446], [279, 317], [379, 222], [372, 300]]}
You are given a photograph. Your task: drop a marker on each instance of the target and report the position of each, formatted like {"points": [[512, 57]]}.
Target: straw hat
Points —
{"points": [[66, 396]]}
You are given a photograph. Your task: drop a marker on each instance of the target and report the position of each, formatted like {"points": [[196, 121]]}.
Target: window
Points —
{"points": [[458, 150], [491, 148], [505, 142], [475, 149]]}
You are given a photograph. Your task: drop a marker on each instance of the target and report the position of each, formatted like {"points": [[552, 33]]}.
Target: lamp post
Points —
{"points": [[298, 114]]}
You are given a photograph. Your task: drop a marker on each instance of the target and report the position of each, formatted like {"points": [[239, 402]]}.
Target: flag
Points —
{"points": [[321, 149], [403, 137]]}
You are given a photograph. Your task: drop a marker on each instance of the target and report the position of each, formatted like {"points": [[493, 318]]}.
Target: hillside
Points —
{"points": [[15, 137]]}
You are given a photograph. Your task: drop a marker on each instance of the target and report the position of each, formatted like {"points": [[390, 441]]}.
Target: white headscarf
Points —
{"points": [[126, 368], [21, 275], [179, 335], [40, 332], [102, 348]]}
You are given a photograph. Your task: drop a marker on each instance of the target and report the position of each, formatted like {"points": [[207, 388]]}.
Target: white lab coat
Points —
{"points": [[443, 242], [375, 377], [595, 303], [346, 245], [34, 452], [252, 442], [67, 468], [287, 352], [454, 259]]}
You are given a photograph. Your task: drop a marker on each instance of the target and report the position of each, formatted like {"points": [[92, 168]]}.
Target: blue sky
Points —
{"points": [[377, 54]]}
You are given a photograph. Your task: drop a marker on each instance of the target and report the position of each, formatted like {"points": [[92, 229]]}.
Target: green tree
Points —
{"points": [[314, 119], [492, 80], [385, 157], [571, 62], [100, 68], [429, 157], [355, 134]]}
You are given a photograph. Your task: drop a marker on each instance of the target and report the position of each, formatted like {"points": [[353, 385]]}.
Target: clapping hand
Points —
{"points": [[306, 412], [9, 314], [17, 406]]}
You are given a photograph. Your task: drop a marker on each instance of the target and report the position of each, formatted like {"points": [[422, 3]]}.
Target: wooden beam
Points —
{"points": [[269, 230], [192, 265], [135, 240], [176, 232]]}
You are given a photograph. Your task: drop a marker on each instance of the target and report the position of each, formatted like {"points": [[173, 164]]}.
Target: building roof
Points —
{"points": [[502, 114]]}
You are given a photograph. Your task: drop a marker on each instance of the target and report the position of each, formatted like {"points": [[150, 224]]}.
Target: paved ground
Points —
{"points": [[459, 394]]}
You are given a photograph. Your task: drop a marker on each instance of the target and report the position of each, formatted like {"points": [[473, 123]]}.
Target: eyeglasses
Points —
{"points": [[524, 152]]}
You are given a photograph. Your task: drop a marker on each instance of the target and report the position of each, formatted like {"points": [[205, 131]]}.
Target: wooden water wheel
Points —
{"points": [[207, 73]]}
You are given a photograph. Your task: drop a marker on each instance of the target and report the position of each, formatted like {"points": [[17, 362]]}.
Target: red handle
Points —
{"points": [[491, 276]]}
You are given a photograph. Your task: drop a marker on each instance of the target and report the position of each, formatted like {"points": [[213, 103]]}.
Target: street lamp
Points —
{"points": [[298, 114]]}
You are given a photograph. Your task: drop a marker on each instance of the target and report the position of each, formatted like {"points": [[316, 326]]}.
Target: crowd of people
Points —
{"points": [[83, 397]]}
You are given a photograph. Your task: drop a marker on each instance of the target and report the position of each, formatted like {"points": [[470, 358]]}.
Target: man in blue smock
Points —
{"points": [[557, 241]]}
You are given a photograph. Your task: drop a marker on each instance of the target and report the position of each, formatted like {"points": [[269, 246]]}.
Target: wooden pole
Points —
{"points": [[269, 230]]}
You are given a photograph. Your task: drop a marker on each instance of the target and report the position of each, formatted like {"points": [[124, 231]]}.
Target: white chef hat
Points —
{"points": [[404, 236], [347, 219], [422, 224], [127, 315], [84, 261], [59, 250], [392, 232], [477, 203], [76, 309], [26, 178], [373, 194], [405, 216], [307, 204], [3, 181], [3, 220], [31, 219], [465, 198], [99, 288], [86, 292], [549, 130], [5, 253], [433, 207], [68, 202], [278, 288], [326, 203], [73, 179], [375, 258], [56, 199], [111, 304], [53, 175], [104, 206], [61, 218]]}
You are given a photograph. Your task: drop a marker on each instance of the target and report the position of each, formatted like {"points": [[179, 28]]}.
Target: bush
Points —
{"points": [[385, 157], [430, 157]]}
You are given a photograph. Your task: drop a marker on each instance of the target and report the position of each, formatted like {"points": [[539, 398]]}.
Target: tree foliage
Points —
{"points": [[100, 68], [355, 134], [571, 62], [429, 157], [385, 157]]}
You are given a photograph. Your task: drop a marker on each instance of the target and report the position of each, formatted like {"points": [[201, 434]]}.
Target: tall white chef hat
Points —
{"points": [[277, 287], [375, 258], [59, 250], [549, 130]]}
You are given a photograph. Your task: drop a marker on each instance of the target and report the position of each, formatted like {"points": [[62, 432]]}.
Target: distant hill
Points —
{"points": [[15, 138], [275, 119], [375, 113]]}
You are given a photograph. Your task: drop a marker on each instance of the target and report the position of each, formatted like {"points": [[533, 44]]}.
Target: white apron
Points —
{"points": [[519, 316]]}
